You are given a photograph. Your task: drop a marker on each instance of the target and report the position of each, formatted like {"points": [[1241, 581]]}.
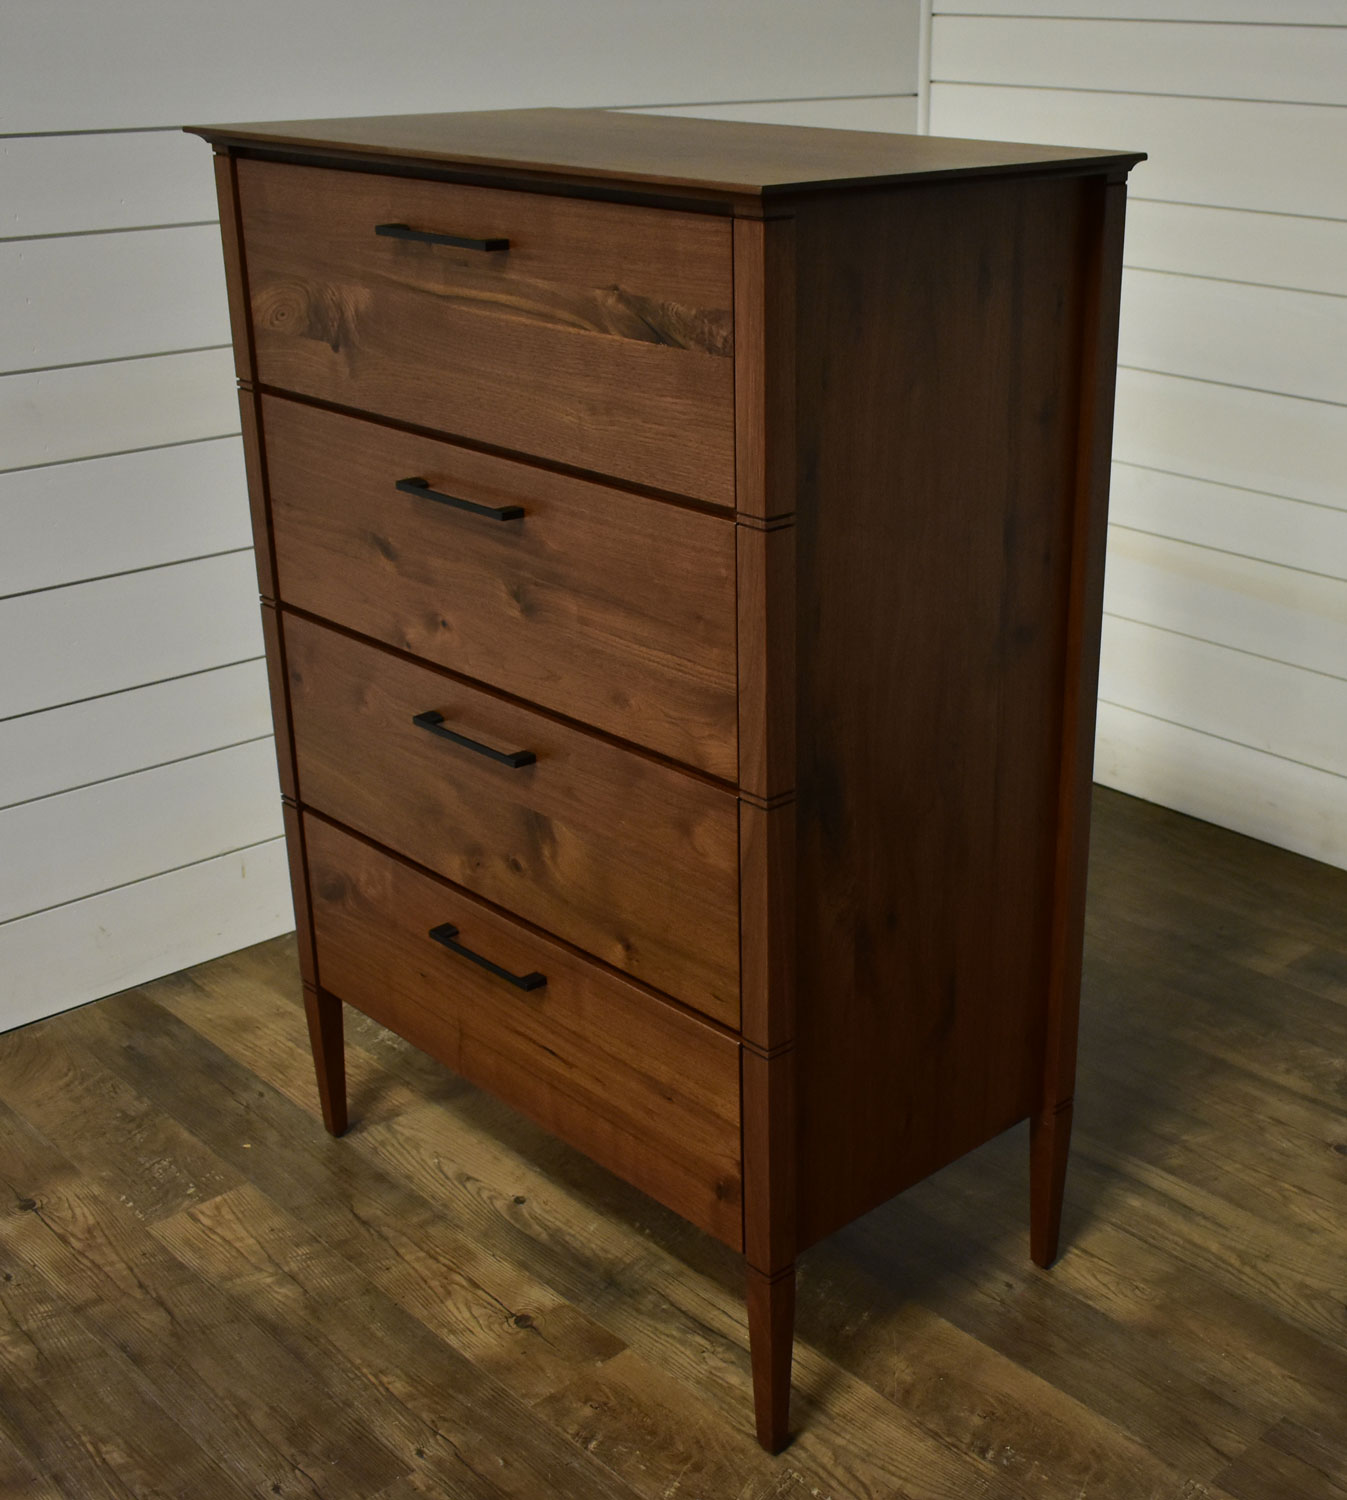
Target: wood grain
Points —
{"points": [[767, 906], [767, 703], [605, 606], [639, 1086], [602, 338], [264, 551], [630, 859], [236, 280], [934, 553], [764, 367], [715, 158]]}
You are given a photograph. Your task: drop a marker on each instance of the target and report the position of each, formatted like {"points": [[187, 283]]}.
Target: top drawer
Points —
{"points": [[600, 338]]}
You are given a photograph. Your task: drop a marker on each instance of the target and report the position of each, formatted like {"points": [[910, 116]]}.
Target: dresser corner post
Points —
{"points": [[765, 490], [236, 281], [1050, 1124]]}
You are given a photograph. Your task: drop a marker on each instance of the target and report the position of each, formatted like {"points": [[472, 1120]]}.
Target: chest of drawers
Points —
{"points": [[680, 547]]}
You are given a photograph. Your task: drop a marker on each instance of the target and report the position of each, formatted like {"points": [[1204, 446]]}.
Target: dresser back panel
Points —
{"points": [[601, 338], [603, 605], [643, 1088], [632, 860]]}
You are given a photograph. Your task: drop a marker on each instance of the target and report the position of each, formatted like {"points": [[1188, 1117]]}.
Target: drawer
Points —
{"points": [[601, 338], [616, 853], [640, 1086], [608, 607]]}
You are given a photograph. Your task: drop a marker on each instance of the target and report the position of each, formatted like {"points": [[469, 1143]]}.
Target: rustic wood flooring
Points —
{"points": [[204, 1296]]}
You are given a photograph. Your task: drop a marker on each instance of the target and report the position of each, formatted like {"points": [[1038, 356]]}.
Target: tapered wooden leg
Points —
{"points": [[1049, 1143], [329, 1055], [771, 1337]]}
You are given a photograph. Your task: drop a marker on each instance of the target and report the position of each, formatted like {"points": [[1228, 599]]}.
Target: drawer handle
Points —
{"points": [[429, 237], [446, 933], [423, 491], [434, 722]]}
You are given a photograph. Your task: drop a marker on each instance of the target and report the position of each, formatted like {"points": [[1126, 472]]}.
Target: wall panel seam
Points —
{"points": [[1000, 15], [1271, 286], [1267, 562], [1225, 739], [35, 135], [115, 359], [85, 458], [1202, 640], [75, 583], [1058, 88], [788, 99], [141, 879], [154, 765], [1234, 385], [1224, 484], [1232, 208], [78, 234], [134, 687]]}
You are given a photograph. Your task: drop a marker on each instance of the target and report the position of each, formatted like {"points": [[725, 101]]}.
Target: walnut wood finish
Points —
{"points": [[608, 607], [764, 368], [886, 362], [255, 466], [703, 158], [1080, 685], [933, 664], [231, 244], [767, 902], [324, 1015], [602, 338], [630, 859], [766, 571], [638, 1085], [771, 1333]]}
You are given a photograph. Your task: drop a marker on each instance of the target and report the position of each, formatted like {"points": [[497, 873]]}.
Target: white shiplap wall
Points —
{"points": [[1224, 674], [139, 812]]}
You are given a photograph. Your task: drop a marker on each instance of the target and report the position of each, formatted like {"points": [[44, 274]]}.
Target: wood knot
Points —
{"points": [[326, 314]]}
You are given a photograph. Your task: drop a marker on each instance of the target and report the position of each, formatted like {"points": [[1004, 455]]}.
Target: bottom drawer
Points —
{"points": [[640, 1086]]}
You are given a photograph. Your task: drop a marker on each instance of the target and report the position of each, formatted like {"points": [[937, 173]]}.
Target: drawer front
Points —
{"points": [[601, 338], [608, 607], [643, 1088], [629, 859]]}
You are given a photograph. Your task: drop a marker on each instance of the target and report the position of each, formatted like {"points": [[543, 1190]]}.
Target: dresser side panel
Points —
{"points": [[940, 388]]}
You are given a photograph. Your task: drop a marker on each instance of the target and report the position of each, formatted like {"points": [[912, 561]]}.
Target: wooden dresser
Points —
{"points": [[681, 552]]}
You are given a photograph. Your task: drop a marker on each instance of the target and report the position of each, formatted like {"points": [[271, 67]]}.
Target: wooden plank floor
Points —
{"points": [[203, 1296]]}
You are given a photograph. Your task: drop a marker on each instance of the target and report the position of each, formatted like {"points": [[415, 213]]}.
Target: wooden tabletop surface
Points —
{"points": [[711, 156]]}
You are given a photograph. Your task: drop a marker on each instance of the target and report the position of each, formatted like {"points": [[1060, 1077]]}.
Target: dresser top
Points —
{"points": [[713, 157]]}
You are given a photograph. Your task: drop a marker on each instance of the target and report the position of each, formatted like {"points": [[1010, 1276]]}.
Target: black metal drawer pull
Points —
{"points": [[434, 722], [429, 237], [423, 491], [446, 932]]}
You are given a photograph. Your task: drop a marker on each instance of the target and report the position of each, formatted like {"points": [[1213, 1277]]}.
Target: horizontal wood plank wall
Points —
{"points": [[1224, 675], [139, 821]]}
